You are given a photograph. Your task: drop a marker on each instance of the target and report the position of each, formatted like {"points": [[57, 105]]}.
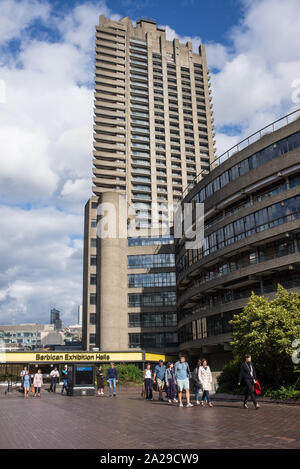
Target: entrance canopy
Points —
{"points": [[80, 357]]}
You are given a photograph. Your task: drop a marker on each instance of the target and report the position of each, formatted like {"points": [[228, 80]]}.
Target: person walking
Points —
{"points": [[197, 383], [26, 384], [159, 378], [65, 379], [182, 377], [54, 376], [249, 378], [100, 380], [148, 382], [37, 383], [171, 383], [205, 379], [112, 379]]}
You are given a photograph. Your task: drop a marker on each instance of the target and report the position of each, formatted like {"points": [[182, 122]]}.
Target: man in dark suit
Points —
{"points": [[248, 377]]}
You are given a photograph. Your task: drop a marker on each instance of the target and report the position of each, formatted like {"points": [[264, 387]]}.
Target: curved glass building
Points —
{"points": [[251, 239]]}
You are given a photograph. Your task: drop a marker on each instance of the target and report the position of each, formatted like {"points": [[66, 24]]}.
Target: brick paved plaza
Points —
{"points": [[127, 421]]}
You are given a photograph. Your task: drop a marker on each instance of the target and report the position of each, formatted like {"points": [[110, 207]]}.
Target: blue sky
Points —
{"points": [[46, 112], [210, 19]]}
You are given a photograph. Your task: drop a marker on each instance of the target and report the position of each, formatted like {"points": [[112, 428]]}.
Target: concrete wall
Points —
{"points": [[112, 285]]}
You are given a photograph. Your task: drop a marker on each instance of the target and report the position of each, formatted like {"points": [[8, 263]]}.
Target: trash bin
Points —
{"points": [[81, 380]]}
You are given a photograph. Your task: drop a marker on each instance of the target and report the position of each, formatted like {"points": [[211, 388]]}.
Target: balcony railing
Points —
{"points": [[292, 116]]}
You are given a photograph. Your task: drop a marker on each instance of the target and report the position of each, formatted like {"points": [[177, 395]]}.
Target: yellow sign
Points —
{"points": [[153, 357], [70, 357]]}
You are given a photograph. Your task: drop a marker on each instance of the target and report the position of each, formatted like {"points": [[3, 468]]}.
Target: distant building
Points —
{"points": [[80, 315], [73, 333], [55, 318], [54, 315], [31, 336]]}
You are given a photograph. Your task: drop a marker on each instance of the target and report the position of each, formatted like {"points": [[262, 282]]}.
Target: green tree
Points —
{"points": [[266, 329]]}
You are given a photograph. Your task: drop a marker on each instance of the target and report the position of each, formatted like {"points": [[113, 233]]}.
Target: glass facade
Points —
{"points": [[150, 241], [209, 326], [209, 302], [166, 319], [148, 340], [218, 324], [151, 261], [167, 298], [271, 191], [269, 217], [161, 279], [261, 195], [252, 162], [256, 222], [263, 253]]}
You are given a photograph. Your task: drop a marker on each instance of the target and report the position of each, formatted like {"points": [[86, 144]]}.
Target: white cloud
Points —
{"points": [[78, 27], [74, 194], [253, 86], [48, 61], [41, 265], [76, 189], [225, 142], [243, 87], [45, 123], [171, 34], [253, 74], [24, 165], [270, 28], [46, 127], [217, 54], [16, 16]]}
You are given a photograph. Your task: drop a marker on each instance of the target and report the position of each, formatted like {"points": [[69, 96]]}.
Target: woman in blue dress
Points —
{"points": [[27, 384]]}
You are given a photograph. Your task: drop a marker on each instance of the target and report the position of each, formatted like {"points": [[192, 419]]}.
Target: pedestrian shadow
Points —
{"points": [[156, 402], [230, 405]]}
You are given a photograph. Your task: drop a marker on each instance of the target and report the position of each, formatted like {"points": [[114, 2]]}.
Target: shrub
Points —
{"points": [[283, 393], [127, 373], [228, 379]]}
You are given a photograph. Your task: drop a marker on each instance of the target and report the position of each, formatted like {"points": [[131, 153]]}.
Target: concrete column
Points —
{"points": [[112, 300]]}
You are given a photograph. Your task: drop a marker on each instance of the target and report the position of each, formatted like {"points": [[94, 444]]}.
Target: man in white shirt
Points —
{"points": [[54, 375]]}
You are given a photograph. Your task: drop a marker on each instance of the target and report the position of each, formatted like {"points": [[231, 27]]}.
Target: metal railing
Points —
{"points": [[292, 116]]}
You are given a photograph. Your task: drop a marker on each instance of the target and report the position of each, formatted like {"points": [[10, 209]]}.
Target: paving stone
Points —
{"points": [[56, 421]]}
